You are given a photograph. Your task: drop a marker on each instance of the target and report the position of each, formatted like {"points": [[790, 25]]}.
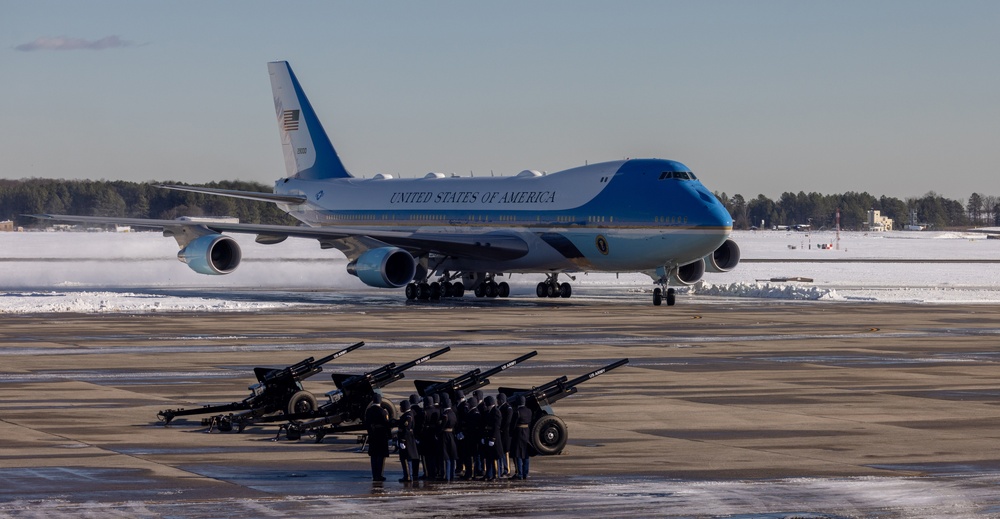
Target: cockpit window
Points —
{"points": [[679, 175]]}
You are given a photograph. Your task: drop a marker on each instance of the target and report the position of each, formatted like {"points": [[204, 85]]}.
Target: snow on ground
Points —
{"points": [[138, 272]]}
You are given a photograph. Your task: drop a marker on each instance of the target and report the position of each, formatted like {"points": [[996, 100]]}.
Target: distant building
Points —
{"points": [[877, 222], [7, 226]]}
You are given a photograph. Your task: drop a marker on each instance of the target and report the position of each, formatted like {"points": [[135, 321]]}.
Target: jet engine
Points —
{"points": [[385, 267], [688, 274], [212, 254], [724, 259]]}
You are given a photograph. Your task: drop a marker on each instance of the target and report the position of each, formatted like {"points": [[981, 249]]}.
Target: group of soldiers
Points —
{"points": [[473, 438]]}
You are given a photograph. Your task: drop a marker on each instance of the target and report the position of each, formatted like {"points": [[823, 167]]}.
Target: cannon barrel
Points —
{"points": [[382, 376], [473, 379], [583, 378], [344, 351], [562, 388], [303, 369]]}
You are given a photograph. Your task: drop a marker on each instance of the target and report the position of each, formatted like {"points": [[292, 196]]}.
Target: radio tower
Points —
{"points": [[838, 228]]}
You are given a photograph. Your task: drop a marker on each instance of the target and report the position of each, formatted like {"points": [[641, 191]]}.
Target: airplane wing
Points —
{"points": [[233, 193], [495, 246]]}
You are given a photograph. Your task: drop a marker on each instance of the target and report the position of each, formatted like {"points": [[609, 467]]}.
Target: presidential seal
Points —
{"points": [[602, 244]]}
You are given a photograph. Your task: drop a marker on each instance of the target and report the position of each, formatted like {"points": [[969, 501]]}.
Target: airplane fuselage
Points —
{"points": [[614, 216]]}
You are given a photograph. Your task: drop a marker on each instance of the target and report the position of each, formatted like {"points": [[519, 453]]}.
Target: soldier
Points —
{"points": [[507, 412], [446, 439], [428, 438], [520, 448], [461, 438], [409, 455], [492, 447], [474, 432], [377, 423], [418, 424]]}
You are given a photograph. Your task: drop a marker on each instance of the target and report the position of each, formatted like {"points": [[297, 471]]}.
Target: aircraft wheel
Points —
{"points": [[657, 297], [480, 290], [411, 291], [565, 290], [435, 291], [446, 288], [491, 289], [549, 435], [671, 297], [423, 291], [302, 402], [457, 289], [503, 289], [541, 290], [552, 290]]}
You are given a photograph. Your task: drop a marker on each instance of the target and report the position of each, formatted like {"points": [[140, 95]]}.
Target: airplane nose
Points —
{"points": [[716, 214]]}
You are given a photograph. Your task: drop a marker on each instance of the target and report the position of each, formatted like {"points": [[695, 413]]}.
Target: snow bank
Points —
{"points": [[111, 272]]}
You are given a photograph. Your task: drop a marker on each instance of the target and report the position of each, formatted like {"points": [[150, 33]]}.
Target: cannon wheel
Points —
{"points": [[390, 408], [302, 402], [549, 435]]}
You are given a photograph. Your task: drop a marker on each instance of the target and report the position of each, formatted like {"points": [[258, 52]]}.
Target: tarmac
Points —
{"points": [[719, 392]]}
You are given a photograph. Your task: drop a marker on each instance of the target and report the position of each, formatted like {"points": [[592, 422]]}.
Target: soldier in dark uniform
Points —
{"points": [[473, 428], [409, 456], [377, 423], [492, 446], [462, 415], [520, 445], [428, 438], [446, 438], [418, 424], [507, 412]]}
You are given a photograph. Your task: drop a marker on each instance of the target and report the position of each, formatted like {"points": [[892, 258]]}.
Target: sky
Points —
{"points": [[894, 98]]}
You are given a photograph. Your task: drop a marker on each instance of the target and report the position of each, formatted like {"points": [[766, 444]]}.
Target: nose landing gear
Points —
{"points": [[658, 296]]}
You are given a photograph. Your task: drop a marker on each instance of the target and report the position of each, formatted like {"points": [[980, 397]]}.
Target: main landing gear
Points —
{"points": [[484, 286], [552, 288], [490, 288], [434, 291]]}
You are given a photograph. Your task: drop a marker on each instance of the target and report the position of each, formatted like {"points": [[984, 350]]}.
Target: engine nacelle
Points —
{"points": [[385, 267], [724, 259], [212, 254], [688, 274]]}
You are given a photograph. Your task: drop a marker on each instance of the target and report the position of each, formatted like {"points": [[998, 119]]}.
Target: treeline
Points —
{"points": [[820, 210], [129, 199]]}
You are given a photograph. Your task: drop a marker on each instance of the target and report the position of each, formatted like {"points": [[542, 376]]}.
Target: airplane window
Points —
{"points": [[692, 176], [666, 175], [681, 175]]}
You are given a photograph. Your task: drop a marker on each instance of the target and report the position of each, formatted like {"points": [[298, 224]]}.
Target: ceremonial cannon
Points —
{"points": [[345, 409], [548, 431], [276, 391]]}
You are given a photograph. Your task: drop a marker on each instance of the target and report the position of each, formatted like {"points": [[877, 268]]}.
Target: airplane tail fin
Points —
{"points": [[308, 152]]}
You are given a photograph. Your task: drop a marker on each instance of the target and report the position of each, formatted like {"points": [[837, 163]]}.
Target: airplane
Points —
{"points": [[441, 235]]}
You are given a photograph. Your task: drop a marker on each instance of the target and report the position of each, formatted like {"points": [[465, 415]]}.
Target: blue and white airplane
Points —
{"points": [[441, 235]]}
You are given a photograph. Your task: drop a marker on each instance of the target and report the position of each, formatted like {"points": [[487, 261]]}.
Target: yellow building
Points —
{"points": [[877, 222], [7, 226]]}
